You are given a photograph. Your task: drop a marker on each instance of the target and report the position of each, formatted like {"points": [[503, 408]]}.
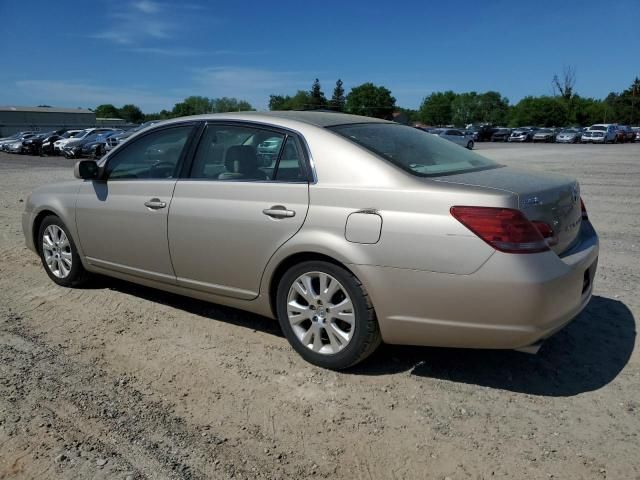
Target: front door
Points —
{"points": [[122, 218], [246, 195]]}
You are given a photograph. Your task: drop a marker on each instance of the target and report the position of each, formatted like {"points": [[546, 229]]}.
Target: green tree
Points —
{"points": [[337, 99], [131, 113], [316, 96], [437, 109], [300, 101], [370, 100], [194, 105], [229, 104], [539, 111], [107, 111]]}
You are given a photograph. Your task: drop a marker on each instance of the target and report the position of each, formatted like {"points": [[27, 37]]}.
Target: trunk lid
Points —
{"points": [[544, 197]]}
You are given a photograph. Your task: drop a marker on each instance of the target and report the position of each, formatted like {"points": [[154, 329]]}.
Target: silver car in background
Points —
{"points": [[358, 231], [455, 136], [569, 135]]}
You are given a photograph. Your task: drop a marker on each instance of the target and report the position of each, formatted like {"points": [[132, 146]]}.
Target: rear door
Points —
{"points": [[245, 195]]}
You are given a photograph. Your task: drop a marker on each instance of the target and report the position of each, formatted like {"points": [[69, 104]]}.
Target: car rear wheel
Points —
{"points": [[327, 315], [470, 145], [59, 254]]}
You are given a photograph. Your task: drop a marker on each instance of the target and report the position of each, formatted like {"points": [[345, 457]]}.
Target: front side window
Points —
{"points": [[153, 156], [244, 153], [410, 149]]}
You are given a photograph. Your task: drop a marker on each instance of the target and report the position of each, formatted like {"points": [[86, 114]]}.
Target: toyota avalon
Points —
{"points": [[356, 231]]}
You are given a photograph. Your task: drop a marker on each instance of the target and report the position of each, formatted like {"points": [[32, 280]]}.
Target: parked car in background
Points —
{"points": [[16, 146], [35, 144], [19, 136], [625, 134], [471, 133], [637, 133], [501, 135], [569, 135], [96, 148], [600, 133], [114, 140], [74, 149], [482, 132], [62, 145], [376, 240], [547, 135], [48, 145], [455, 136], [522, 134]]}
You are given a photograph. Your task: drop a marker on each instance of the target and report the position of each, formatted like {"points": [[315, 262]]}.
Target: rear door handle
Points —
{"points": [[279, 211], [155, 204]]}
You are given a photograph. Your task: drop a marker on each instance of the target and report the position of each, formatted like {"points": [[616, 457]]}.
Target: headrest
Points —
{"points": [[241, 159]]}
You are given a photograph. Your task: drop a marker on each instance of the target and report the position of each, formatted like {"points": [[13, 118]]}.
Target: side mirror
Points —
{"points": [[86, 170]]}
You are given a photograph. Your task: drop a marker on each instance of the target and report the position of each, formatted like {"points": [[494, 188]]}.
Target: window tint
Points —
{"points": [[231, 152], [412, 150], [153, 156], [291, 166]]}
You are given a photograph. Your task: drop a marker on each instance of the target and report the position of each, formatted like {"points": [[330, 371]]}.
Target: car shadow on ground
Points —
{"points": [[586, 355]]}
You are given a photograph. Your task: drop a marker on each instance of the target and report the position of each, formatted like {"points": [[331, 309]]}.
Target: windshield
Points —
{"points": [[598, 127], [545, 130], [569, 130], [417, 152]]}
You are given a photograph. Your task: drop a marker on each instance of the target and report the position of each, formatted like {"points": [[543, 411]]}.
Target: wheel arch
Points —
{"points": [[37, 222], [292, 260]]}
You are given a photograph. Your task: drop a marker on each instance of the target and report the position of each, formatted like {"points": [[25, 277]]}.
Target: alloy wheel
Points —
{"points": [[56, 250], [321, 313]]}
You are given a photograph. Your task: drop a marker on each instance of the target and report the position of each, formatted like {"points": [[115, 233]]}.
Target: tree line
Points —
{"points": [[563, 107]]}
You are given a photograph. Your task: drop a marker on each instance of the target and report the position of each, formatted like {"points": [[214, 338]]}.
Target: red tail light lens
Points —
{"points": [[584, 210], [547, 232], [505, 229]]}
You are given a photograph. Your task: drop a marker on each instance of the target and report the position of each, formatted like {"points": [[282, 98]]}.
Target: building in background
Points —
{"points": [[42, 119]]}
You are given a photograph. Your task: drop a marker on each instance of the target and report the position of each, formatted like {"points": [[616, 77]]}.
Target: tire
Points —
{"points": [[63, 250], [334, 351], [470, 145]]}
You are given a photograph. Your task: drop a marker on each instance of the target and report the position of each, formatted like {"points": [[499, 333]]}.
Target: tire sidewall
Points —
{"points": [[77, 270], [352, 353]]}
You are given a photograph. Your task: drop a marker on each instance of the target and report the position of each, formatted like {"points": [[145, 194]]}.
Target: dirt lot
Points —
{"points": [[119, 381]]}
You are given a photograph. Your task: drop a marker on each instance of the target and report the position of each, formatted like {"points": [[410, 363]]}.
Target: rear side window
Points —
{"points": [[417, 152], [245, 153]]}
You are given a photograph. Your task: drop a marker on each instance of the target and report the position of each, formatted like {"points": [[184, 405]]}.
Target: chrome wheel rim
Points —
{"points": [[321, 313], [56, 250]]}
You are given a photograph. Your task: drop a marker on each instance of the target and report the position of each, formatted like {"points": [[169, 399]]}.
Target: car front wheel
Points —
{"points": [[327, 315], [59, 254], [470, 145]]}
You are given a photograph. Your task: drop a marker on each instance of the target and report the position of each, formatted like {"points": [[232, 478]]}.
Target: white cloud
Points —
{"points": [[139, 21], [74, 94], [251, 84], [147, 6]]}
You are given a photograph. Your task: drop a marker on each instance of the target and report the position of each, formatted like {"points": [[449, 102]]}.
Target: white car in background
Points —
{"points": [[600, 133], [60, 145], [455, 136]]}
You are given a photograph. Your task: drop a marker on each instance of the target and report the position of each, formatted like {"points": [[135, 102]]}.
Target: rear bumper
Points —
{"points": [[512, 301]]}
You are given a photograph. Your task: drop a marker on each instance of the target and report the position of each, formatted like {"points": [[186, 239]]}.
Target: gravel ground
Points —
{"points": [[120, 381]]}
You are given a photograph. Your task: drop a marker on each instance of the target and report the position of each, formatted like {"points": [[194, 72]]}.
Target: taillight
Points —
{"points": [[583, 209], [547, 232], [505, 229]]}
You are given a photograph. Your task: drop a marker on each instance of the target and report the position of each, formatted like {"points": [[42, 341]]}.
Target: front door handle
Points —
{"points": [[279, 211], [155, 204]]}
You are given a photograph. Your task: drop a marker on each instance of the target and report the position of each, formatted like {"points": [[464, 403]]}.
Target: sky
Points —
{"points": [[156, 53]]}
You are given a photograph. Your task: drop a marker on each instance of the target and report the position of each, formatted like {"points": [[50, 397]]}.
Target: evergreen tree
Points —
{"points": [[317, 98], [338, 99]]}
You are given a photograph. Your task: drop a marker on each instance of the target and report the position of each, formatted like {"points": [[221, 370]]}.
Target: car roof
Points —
{"points": [[317, 118]]}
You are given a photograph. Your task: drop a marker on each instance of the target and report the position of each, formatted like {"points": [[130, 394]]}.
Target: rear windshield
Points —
{"points": [[413, 150]]}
